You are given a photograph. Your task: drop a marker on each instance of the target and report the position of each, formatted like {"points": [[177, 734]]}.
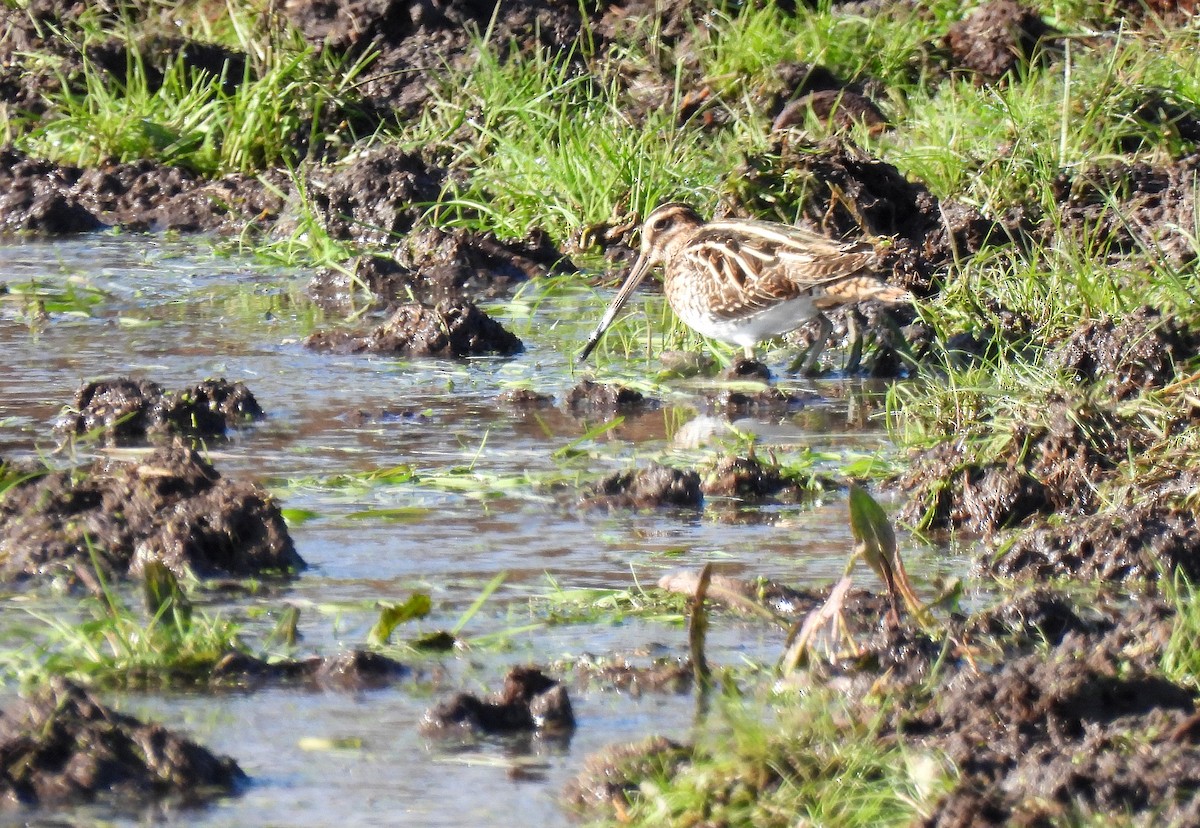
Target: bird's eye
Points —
{"points": [[662, 224]]}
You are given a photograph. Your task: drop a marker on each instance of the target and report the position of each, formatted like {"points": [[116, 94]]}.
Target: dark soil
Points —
{"points": [[1048, 467], [526, 399], [170, 506], [64, 746], [1140, 353], [530, 701], [999, 37], [418, 40], [841, 109], [126, 410], [1029, 618], [747, 369], [458, 329], [1055, 737], [1127, 207], [747, 479], [768, 400], [433, 265], [652, 487], [590, 398], [352, 670], [41, 197], [1136, 544], [374, 198]]}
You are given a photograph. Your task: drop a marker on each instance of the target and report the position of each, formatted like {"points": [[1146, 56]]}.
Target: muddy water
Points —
{"points": [[494, 497]]}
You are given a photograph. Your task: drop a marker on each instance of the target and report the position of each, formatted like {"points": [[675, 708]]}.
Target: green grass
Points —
{"points": [[273, 111], [547, 146], [113, 645], [816, 759]]}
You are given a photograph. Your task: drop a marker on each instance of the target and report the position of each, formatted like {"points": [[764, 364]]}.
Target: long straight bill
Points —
{"points": [[640, 268]]}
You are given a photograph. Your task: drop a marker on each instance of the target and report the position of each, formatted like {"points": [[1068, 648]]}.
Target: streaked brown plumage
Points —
{"points": [[743, 281]]}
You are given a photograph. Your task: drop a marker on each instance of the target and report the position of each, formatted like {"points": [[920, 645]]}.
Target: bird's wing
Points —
{"points": [[751, 266]]}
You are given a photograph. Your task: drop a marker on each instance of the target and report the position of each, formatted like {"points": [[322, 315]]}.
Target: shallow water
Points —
{"points": [[174, 312]]}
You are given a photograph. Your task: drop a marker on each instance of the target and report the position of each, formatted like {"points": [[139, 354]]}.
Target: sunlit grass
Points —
{"points": [[210, 124], [819, 758]]}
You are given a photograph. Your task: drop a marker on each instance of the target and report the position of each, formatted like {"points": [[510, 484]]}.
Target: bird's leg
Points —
{"points": [[807, 360], [856, 343]]}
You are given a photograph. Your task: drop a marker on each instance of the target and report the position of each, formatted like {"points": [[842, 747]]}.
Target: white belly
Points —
{"points": [[752, 329]]}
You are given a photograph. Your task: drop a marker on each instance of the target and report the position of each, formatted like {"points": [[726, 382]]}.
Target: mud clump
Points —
{"points": [[1057, 732], [1130, 207], [375, 197], [128, 410], [352, 670], [613, 776], [999, 37], [1138, 354], [417, 41], [1045, 467], [841, 109], [456, 330], [590, 398], [1138, 544], [35, 199], [747, 479], [762, 401], [652, 487], [530, 701], [433, 265], [41, 197], [749, 370], [62, 746], [170, 506], [526, 399], [1031, 617]]}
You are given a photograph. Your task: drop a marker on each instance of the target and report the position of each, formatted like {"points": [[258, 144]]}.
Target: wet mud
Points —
{"points": [[530, 701], [1047, 467], [407, 35], [126, 410], [351, 671], [610, 777], [1044, 739], [749, 480], [45, 198], [1035, 737], [169, 506], [63, 746], [1140, 544], [458, 329], [1086, 730], [434, 265], [652, 487], [590, 398]]}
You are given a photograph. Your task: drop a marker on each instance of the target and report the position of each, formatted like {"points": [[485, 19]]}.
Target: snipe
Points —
{"points": [[742, 281]]}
